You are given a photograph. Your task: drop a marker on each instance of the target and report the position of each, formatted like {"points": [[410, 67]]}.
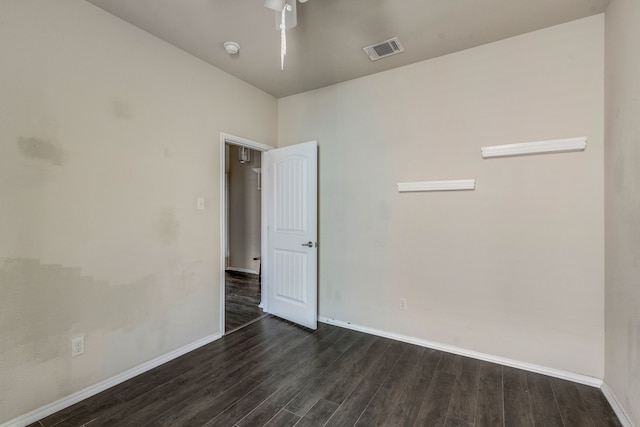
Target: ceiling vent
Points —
{"points": [[384, 49]]}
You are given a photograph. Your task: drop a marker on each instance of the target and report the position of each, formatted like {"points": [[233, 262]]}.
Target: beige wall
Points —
{"points": [[107, 135], [513, 269], [622, 184], [244, 211]]}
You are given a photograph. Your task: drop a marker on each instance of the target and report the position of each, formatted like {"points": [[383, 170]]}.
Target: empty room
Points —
{"points": [[443, 203]]}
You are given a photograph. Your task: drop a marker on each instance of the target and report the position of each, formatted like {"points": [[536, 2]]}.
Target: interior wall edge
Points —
{"points": [[556, 373], [65, 402], [624, 418]]}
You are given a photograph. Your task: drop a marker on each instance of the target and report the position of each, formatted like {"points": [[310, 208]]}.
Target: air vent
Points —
{"points": [[384, 49]]}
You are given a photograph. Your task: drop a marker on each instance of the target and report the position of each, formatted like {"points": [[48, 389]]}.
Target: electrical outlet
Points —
{"points": [[403, 304], [77, 346]]}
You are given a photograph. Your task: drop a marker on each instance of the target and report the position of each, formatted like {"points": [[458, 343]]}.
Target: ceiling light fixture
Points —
{"points": [[286, 18], [276, 5], [283, 35], [244, 154]]}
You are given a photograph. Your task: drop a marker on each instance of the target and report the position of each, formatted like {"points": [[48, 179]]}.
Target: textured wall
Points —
{"points": [[515, 268], [108, 136], [622, 185]]}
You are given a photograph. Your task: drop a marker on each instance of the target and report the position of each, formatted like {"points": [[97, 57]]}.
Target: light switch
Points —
{"points": [[200, 203]]}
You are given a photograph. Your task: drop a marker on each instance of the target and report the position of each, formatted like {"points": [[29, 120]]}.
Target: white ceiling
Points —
{"points": [[326, 45]]}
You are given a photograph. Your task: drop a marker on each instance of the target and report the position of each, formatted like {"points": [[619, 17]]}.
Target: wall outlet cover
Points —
{"points": [[77, 346]]}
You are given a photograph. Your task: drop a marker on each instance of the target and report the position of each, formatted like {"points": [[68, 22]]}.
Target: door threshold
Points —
{"points": [[247, 324]]}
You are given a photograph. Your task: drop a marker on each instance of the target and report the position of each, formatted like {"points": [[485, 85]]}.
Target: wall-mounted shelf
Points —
{"points": [[539, 147], [450, 185], [259, 172]]}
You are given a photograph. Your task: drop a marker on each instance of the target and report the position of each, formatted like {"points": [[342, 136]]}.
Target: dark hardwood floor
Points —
{"points": [[242, 296], [273, 373]]}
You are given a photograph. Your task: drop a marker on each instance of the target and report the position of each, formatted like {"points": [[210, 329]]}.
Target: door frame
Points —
{"points": [[227, 138]]}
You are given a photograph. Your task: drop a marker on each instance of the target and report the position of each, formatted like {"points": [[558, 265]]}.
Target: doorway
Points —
{"points": [[288, 256], [242, 231]]}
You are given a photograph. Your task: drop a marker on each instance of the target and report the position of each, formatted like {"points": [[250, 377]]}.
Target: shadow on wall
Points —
{"points": [[43, 305]]}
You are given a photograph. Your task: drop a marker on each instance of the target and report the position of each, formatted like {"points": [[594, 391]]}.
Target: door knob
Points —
{"points": [[310, 244]]}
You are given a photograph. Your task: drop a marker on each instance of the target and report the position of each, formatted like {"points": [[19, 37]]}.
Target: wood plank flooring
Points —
{"points": [[242, 296], [273, 373]]}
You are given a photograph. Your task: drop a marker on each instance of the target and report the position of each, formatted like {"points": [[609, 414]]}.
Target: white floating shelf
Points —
{"points": [[539, 147], [451, 185], [259, 172]]}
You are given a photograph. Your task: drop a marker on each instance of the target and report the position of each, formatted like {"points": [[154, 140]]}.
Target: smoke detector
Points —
{"points": [[384, 49], [232, 48]]}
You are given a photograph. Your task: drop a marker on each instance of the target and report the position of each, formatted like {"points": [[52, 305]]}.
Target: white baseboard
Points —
{"points": [[63, 403], [624, 418], [242, 270], [76, 397], [581, 379]]}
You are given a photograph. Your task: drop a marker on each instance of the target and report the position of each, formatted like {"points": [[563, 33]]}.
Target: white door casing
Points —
{"points": [[226, 138], [290, 179]]}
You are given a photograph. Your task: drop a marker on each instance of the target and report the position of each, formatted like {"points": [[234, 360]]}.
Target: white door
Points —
{"points": [[290, 180]]}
